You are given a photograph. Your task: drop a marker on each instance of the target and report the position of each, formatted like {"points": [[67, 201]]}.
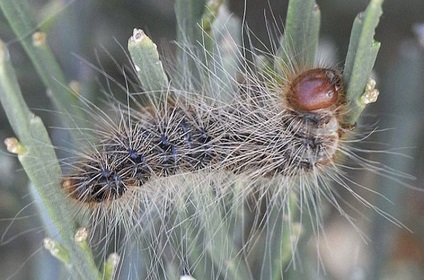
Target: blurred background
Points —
{"points": [[80, 31]]}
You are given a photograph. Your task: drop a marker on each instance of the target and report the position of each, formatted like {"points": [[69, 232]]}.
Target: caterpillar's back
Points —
{"points": [[256, 135]]}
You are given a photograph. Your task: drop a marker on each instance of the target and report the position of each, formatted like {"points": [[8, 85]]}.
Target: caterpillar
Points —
{"points": [[177, 174], [243, 138], [158, 162]]}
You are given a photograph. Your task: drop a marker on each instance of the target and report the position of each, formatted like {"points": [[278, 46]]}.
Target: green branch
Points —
{"points": [[38, 158], [301, 34], [360, 60], [148, 66], [20, 16]]}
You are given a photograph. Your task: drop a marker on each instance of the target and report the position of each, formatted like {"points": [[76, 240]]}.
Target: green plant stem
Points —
{"points": [[300, 41], [110, 266], [149, 68], [223, 250], [20, 16], [41, 165], [189, 14], [284, 252], [360, 58], [208, 18], [187, 229], [189, 35]]}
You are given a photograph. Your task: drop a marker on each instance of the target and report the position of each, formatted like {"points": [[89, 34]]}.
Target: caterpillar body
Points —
{"points": [[180, 176], [162, 170], [241, 138], [154, 164]]}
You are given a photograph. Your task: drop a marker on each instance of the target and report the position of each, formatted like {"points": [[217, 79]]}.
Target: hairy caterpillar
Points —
{"points": [[298, 133], [193, 151], [268, 141]]}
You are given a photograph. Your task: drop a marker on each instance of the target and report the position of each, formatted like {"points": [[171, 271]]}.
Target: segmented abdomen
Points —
{"points": [[238, 138]]}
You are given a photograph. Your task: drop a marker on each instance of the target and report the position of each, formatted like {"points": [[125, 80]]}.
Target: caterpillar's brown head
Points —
{"points": [[315, 89]]}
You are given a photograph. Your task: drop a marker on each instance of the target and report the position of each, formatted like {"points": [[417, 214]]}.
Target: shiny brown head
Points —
{"points": [[316, 89]]}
